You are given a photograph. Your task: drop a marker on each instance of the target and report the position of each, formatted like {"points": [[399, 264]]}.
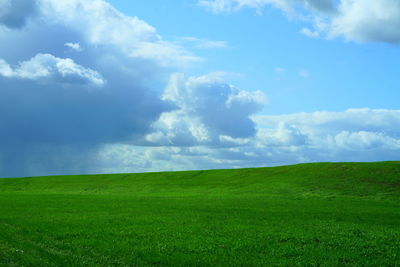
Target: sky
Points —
{"points": [[95, 86]]}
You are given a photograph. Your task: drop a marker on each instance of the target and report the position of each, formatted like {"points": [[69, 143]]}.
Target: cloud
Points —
{"points": [[355, 20], [288, 6], [343, 134], [110, 107], [100, 24], [59, 109], [15, 13], [367, 21], [74, 46], [56, 111], [352, 135], [207, 108], [310, 33], [202, 43], [48, 66], [363, 140]]}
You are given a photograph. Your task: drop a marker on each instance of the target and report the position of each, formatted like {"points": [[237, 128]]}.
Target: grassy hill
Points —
{"points": [[319, 214]]}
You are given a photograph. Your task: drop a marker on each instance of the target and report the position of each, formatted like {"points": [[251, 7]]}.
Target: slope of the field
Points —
{"points": [[329, 214]]}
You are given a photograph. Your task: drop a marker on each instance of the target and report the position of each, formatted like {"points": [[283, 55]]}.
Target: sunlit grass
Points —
{"points": [[326, 214]]}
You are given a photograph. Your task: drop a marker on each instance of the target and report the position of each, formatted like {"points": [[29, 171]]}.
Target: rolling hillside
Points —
{"points": [[308, 214]]}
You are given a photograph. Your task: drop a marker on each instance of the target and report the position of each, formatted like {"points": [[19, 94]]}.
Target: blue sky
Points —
{"points": [[258, 44], [130, 86]]}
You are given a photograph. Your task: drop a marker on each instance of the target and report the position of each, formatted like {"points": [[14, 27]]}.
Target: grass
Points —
{"points": [[320, 214]]}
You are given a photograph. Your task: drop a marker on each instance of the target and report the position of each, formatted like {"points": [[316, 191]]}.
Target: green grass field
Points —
{"points": [[321, 214]]}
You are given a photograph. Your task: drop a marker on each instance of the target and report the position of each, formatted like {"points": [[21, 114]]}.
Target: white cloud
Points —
{"points": [[367, 20], [48, 110], [210, 107], [202, 43], [102, 25], [46, 65], [282, 134], [364, 140], [74, 46], [5, 69], [356, 20], [50, 124], [346, 133], [288, 6], [352, 135], [310, 33]]}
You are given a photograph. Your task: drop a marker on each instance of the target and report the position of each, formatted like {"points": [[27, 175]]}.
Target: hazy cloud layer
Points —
{"points": [[218, 6], [202, 43], [357, 20], [352, 135]]}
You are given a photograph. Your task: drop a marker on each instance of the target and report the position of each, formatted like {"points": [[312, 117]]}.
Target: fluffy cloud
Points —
{"points": [[352, 135], [48, 66], [98, 24], [74, 46], [367, 20], [59, 103], [62, 105], [109, 108], [357, 20], [346, 132], [208, 108]]}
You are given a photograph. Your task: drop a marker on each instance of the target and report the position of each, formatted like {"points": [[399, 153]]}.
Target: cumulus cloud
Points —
{"points": [[109, 108], [352, 135], [347, 133], [59, 109], [208, 108], [48, 66], [99, 23], [55, 109], [363, 140], [368, 20], [356, 20]]}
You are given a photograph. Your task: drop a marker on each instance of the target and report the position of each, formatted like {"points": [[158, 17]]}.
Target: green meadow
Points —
{"points": [[319, 214]]}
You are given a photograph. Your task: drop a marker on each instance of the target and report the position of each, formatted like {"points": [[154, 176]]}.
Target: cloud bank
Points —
{"points": [[77, 75], [59, 101], [351, 135]]}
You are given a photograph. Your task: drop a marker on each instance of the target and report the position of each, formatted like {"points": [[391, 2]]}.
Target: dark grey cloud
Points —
{"points": [[58, 106], [324, 6], [15, 13]]}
